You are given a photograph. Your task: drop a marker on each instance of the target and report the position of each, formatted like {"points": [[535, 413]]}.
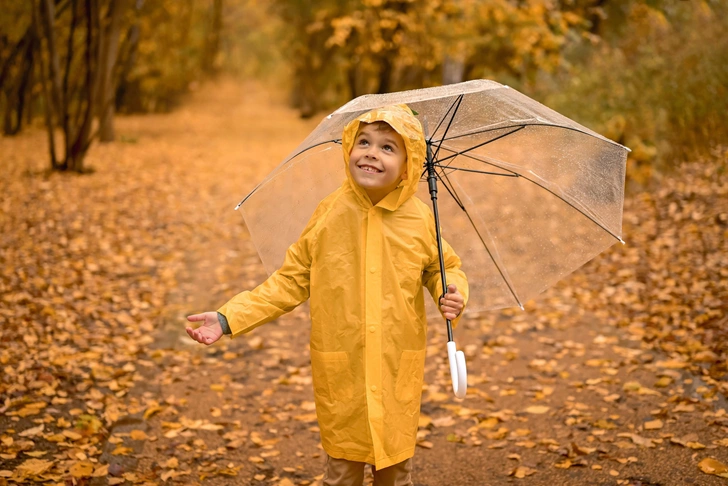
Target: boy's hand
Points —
{"points": [[452, 303], [209, 332]]}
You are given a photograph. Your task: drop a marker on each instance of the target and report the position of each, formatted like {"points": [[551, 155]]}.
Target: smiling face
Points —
{"points": [[378, 159]]}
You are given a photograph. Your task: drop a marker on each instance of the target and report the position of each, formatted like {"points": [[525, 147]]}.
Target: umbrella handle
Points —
{"points": [[458, 370]]}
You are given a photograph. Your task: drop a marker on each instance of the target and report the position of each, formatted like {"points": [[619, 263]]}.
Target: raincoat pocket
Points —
{"points": [[410, 375], [332, 376]]}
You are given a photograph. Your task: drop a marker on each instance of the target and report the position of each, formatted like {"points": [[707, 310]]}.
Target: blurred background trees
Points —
{"points": [[651, 74]]}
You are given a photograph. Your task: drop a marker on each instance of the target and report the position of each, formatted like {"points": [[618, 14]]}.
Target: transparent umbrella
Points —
{"points": [[526, 195]]}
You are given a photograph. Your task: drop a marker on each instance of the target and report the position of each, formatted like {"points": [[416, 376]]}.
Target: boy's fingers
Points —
{"points": [[196, 317]]}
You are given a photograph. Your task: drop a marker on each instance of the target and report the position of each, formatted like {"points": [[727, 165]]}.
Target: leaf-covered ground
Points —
{"points": [[616, 376]]}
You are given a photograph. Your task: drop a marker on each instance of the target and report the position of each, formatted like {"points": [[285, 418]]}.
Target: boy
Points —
{"points": [[363, 260]]}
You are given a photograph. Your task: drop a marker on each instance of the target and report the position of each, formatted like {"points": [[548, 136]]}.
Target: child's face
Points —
{"points": [[378, 159]]}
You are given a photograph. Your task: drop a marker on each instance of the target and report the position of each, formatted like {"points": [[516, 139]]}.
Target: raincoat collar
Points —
{"points": [[402, 120]]}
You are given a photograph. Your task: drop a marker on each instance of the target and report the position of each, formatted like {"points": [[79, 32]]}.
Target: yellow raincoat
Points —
{"points": [[363, 268]]}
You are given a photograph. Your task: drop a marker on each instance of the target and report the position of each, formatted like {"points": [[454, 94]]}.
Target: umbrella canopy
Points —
{"points": [[526, 195]]}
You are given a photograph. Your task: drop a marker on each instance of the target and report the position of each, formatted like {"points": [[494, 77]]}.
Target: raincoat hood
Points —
{"points": [[403, 121]]}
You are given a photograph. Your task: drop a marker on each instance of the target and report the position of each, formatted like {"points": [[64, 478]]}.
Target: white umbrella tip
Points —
{"points": [[521, 306], [621, 240], [237, 207]]}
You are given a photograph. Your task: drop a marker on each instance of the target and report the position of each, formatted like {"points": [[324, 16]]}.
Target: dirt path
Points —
{"points": [[558, 395]]}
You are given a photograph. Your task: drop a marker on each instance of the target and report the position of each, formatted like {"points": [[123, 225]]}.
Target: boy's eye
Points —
{"points": [[363, 142], [388, 148]]}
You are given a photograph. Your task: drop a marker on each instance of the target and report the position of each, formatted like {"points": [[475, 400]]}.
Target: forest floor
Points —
{"points": [[615, 376]]}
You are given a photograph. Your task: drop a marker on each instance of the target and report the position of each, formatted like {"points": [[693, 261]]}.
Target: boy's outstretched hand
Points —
{"points": [[209, 332], [452, 303]]}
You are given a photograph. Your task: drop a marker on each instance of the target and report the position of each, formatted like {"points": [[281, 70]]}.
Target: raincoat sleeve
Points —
{"points": [[283, 291], [453, 273]]}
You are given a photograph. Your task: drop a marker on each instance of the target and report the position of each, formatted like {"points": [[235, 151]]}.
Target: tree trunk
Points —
{"points": [[109, 49], [15, 87], [453, 70], [212, 41], [47, 20], [127, 61], [47, 105], [385, 73], [81, 139], [60, 88]]}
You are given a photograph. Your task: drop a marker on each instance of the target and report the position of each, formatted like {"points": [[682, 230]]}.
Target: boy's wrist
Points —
{"points": [[224, 324]]}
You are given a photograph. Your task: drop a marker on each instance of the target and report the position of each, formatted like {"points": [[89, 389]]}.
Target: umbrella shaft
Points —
{"points": [[432, 183]]}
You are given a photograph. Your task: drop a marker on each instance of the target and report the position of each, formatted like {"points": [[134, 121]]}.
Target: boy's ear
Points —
{"points": [[404, 175]]}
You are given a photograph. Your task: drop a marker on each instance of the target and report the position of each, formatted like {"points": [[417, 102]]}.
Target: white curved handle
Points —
{"points": [[458, 370]]}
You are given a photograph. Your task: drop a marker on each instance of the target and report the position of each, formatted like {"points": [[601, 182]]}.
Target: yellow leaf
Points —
{"points": [[604, 424], [138, 435], [35, 453], [152, 410], [172, 463], [424, 421], [653, 424], [672, 364], [101, 471], [122, 451], [72, 435], [711, 466], [217, 387], [306, 417], [683, 407], [32, 432], [34, 467], [537, 409], [81, 469], [522, 471]]}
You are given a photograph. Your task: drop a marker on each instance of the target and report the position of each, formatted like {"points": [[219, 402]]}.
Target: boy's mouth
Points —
{"points": [[370, 169]]}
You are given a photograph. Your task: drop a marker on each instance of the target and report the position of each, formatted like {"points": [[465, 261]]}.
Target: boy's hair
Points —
{"points": [[379, 125]]}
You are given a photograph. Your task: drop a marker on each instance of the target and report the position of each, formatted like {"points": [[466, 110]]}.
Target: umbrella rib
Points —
{"points": [[439, 124], [335, 140], [477, 171], [554, 125], [492, 258], [470, 149], [456, 104], [592, 218], [451, 191]]}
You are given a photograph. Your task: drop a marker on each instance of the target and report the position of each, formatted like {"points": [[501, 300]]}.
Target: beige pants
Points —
{"points": [[340, 472]]}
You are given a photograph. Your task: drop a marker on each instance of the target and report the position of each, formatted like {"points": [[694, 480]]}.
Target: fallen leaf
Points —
{"points": [[81, 469], [653, 424], [714, 467], [32, 432], [34, 467], [521, 472]]}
